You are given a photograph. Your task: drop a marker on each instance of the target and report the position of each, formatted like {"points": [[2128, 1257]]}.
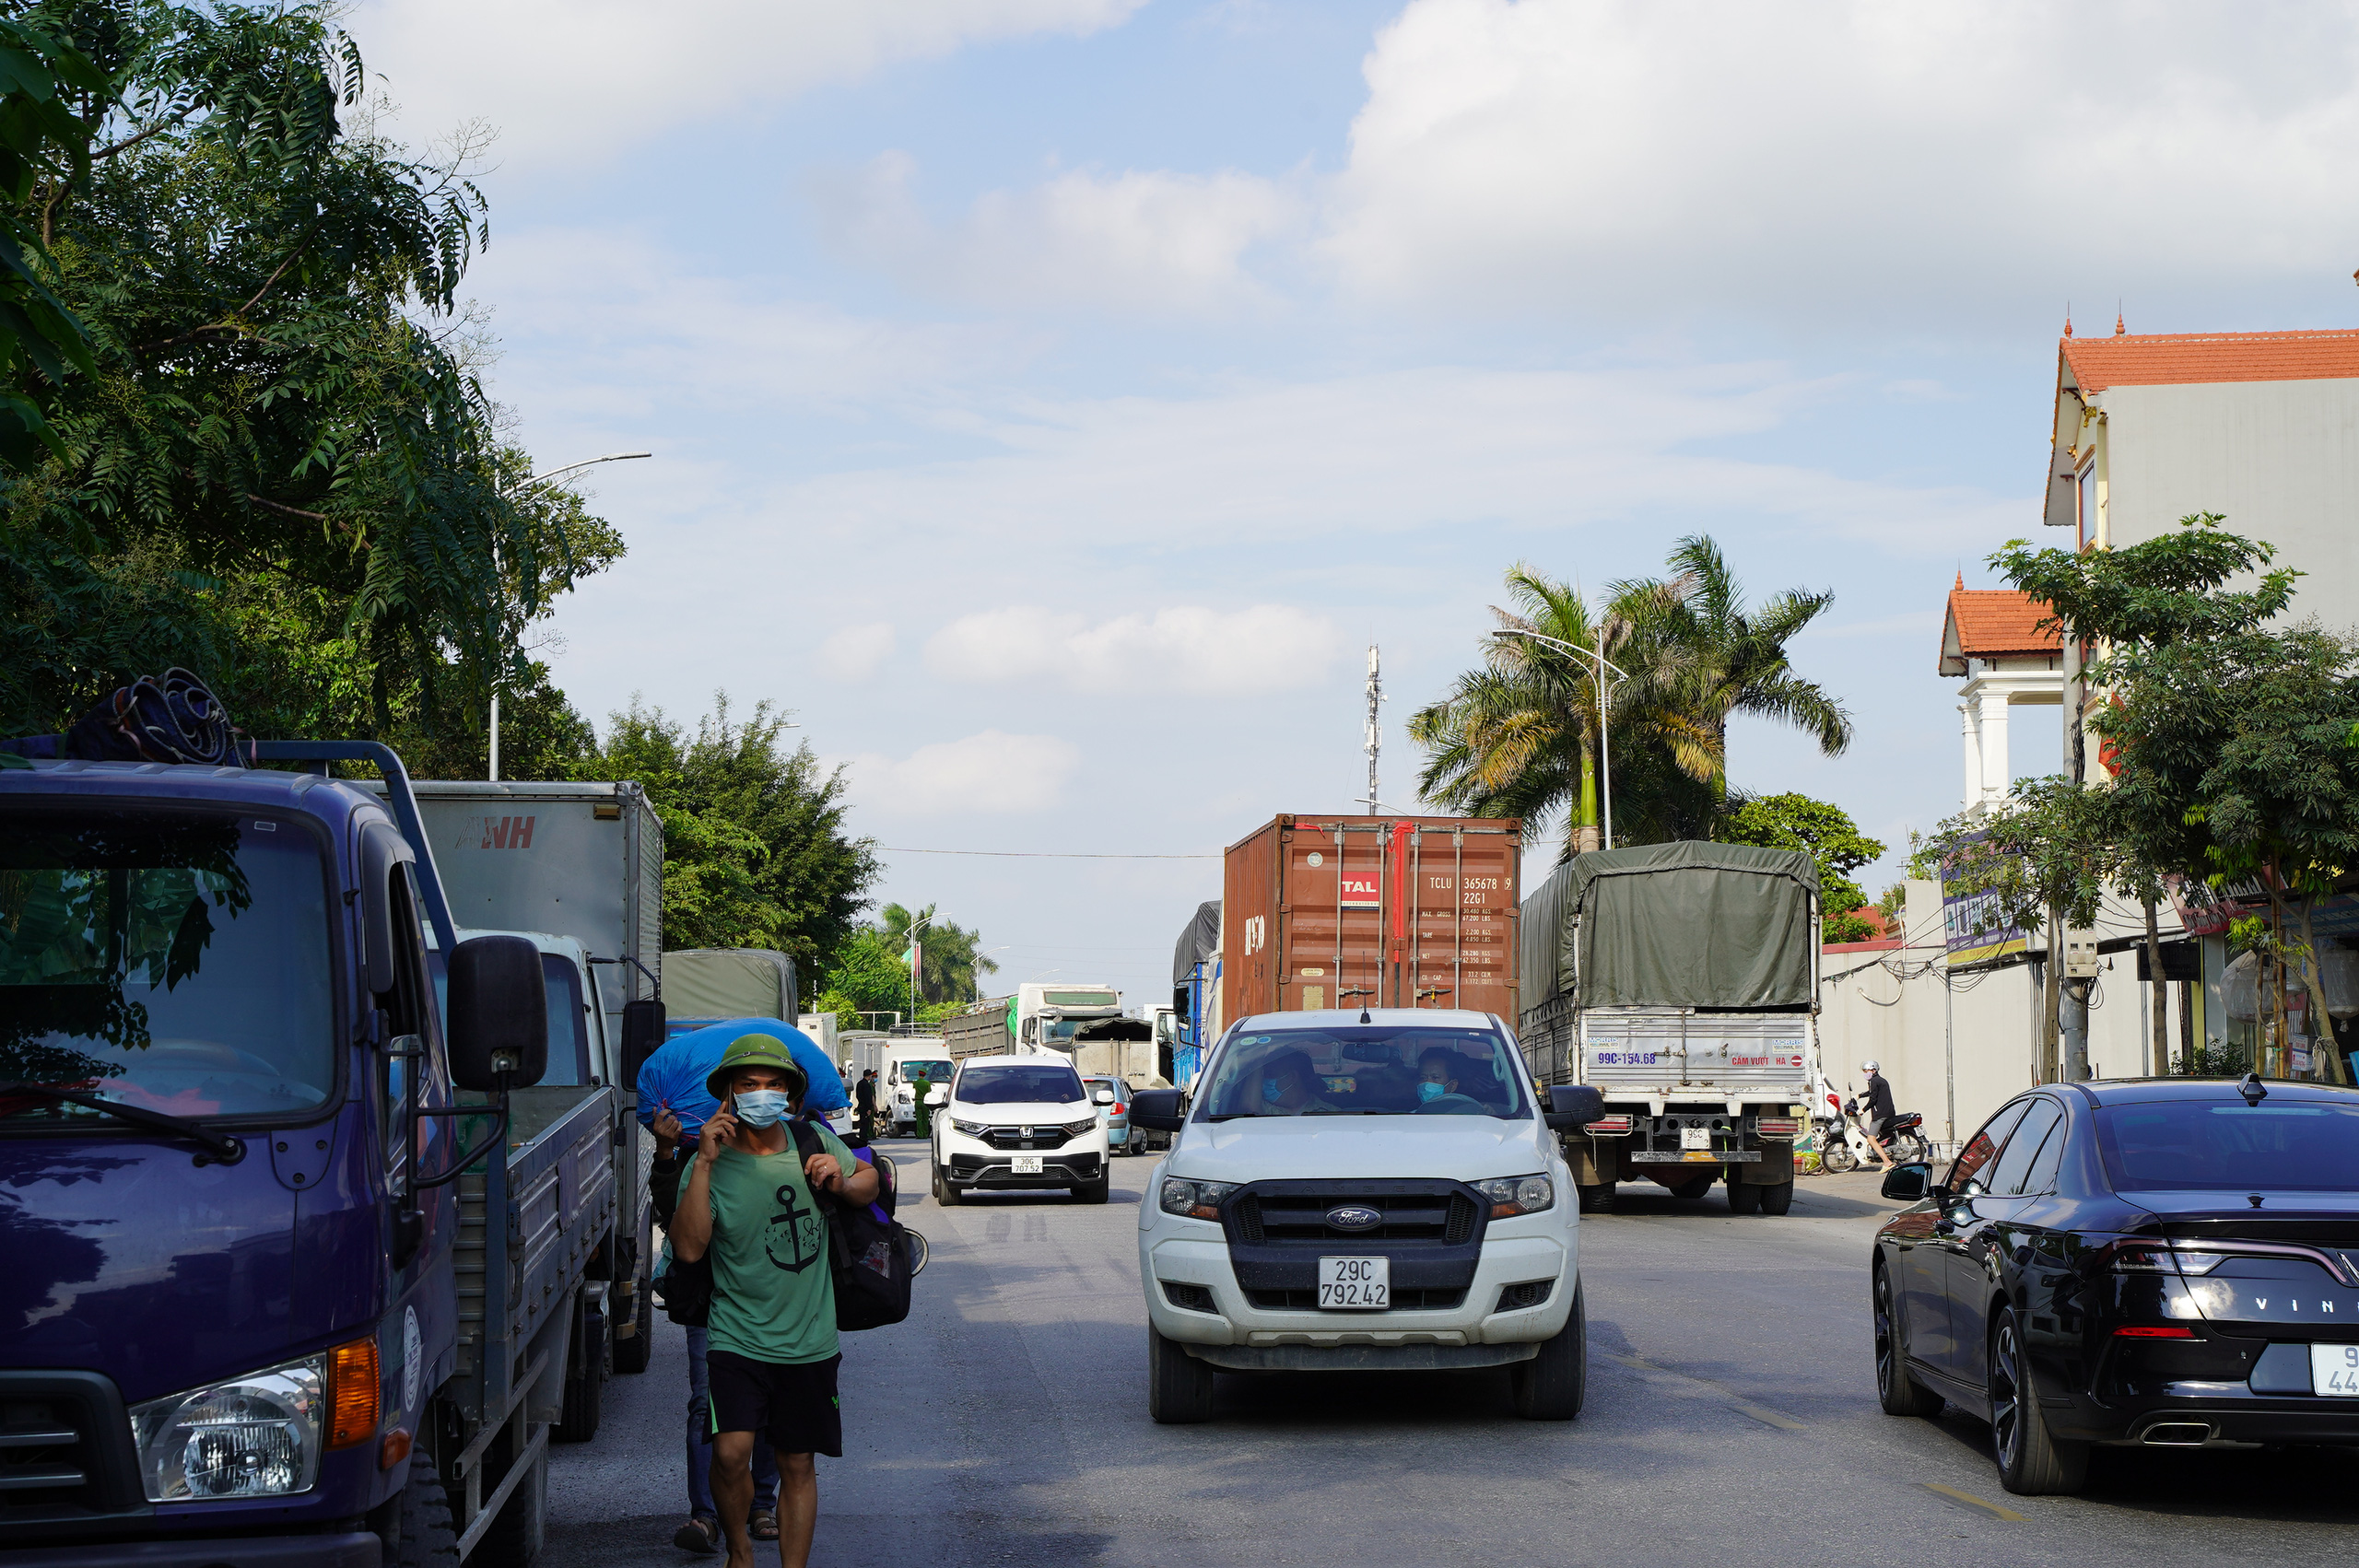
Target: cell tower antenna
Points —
{"points": [[1375, 726]]}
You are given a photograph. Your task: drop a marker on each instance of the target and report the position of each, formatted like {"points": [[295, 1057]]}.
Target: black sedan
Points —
{"points": [[2170, 1262]]}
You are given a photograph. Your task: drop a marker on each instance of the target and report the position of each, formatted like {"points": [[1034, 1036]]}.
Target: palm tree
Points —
{"points": [[1518, 737], [953, 969], [1714, 658]]}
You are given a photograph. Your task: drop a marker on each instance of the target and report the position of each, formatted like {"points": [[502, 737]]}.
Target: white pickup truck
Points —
{"points": [[1363, 1191]]}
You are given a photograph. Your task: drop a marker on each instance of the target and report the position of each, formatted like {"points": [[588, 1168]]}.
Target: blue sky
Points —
{"points": [[1053, 398]]}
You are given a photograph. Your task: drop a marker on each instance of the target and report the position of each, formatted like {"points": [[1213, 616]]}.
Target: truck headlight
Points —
{"points": [[971, 1128], [254, 1436], [1510, 1196], [1076, 1129], [1195, 1199]]}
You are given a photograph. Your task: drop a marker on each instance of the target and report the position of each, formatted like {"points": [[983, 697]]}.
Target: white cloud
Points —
{"points": [[856, 652], [1155, 242], [989, 773], [1612, 157], [572, 82], [1187, 648]]}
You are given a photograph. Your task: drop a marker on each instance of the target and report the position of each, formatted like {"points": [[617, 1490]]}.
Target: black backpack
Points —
{"points": [[874, 1262]]}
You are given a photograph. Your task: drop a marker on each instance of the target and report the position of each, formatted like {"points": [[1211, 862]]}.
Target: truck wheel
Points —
{"points": [[633, 1353], [1776, 1200], [1178, 1387], [1095, 1191], [517, 1535], [415, 1524], [1694, 1187], [1550, 1385], [1597, 1200], [1745, 1198], [585, 1383], [945, 1191]]}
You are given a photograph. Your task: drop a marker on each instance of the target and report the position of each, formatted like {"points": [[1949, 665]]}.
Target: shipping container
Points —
{"points": [[1371, 911]]}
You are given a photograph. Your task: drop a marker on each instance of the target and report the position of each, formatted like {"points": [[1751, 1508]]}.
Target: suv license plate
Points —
{"points": [[1025, 1164], [2334, 1370], [1354, 1284]]}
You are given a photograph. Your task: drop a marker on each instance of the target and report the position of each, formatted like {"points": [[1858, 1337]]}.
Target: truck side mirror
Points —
{"points": [[497, 1026], [1157, 1110], [937, 1096], [1572, 1107], [1179, 1003], [643, 1033]]}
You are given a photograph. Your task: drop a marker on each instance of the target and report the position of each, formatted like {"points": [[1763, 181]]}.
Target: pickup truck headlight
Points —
{"points": [[254, 1436], [1195, 1199], [1510, 1195], [971, 1128], [1076, 1129]]}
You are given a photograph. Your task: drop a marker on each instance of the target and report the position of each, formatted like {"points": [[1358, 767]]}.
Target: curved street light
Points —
{"points": [[511, 490], [1604, 697]]}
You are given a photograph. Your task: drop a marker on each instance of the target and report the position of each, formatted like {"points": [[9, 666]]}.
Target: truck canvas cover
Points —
{"points": [[1685, 924], [728, 982]]}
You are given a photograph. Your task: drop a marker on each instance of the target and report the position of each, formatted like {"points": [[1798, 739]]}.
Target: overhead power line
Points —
{"points": [[1040, 854]]}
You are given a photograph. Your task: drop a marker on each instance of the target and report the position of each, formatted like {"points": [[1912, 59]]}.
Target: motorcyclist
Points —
{"points": [[1879, 1113]]}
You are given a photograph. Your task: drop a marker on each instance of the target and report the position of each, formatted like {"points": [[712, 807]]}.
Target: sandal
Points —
{"points": [[701, 1534], [763, 1526]]}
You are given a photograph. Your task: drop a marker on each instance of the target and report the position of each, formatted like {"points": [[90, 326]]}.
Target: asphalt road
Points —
{"points": [[1732, 1417]]}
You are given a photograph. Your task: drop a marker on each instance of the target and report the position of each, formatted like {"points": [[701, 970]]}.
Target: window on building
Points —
{"points": [[2088, 488]]}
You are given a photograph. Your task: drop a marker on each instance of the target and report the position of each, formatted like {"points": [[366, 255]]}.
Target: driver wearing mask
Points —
{"points": [[1437, 1090], [1290, 1086]]}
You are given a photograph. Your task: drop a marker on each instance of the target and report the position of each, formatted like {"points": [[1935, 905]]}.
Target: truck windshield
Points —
{"points": [[934, 1071], [1064, 1028], [1373, 1069], [175, 960]]}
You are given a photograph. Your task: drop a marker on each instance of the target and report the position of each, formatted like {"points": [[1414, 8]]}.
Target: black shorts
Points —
{"points": [[795, 1407]]}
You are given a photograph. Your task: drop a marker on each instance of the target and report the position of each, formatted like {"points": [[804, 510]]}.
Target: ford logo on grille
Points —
{"points": [[1353, 1217]]}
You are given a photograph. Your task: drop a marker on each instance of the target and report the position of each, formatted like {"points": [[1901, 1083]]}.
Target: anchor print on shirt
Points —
{"points": [[800, 1232]]}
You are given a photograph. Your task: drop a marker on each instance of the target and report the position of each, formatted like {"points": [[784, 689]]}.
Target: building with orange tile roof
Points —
{"points": [[1994, 638], [2260, 426]]}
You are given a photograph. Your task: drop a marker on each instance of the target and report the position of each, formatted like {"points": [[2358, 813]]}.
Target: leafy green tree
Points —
{"points": [[756, 853], [867, 977], [276, 441], [1832, 838], [41, 139]]}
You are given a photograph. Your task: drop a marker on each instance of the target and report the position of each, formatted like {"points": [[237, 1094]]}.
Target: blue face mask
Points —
{"points": [[760, 1107], [1430, 1093], [1272, 1088]]}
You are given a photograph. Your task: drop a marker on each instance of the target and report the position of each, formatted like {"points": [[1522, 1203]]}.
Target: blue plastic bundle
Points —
{"points": [[171, 718]]}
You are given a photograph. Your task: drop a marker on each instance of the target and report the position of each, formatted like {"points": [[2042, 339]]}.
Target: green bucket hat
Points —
{"points": [[756, 1050]]}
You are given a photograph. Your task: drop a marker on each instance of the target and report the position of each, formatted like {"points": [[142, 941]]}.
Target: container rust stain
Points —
{"points": [[1369, 911]]}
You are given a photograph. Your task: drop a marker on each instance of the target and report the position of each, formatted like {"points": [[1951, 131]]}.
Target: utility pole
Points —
{"points": [[1374, 728], [2073, 1001]]}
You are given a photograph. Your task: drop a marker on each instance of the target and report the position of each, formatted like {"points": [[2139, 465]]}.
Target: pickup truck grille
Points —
{"points": [[1445, 1217], [65, 1453]]}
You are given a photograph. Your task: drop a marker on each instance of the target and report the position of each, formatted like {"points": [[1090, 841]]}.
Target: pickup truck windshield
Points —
{"points": [[175, 960], [1374, 1070]]}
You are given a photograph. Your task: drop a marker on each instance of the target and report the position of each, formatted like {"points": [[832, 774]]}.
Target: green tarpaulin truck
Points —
{"points": [[1680, 980]]}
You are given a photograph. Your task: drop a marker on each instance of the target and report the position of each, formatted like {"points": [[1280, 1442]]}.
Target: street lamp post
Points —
{"points": [[511, 490], [1604, 695], [915, 958]]}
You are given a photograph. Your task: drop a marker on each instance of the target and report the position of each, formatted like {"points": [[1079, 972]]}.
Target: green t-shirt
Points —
{"points": [[774, 1295]]}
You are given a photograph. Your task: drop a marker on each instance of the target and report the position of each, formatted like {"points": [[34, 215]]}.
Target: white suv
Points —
{"points": [[1363, 1191], [1018, 1122]]}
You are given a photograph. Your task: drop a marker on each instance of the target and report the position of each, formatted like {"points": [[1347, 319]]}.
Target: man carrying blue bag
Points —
{"points": [[674, 1103]]}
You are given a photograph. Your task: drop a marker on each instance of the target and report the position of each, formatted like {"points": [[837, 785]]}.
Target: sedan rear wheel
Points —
{"points": [[1900, 1394], [2030, 1462]]}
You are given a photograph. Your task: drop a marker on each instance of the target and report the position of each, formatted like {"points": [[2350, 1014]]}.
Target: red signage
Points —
{"points": [[1359, 890]]}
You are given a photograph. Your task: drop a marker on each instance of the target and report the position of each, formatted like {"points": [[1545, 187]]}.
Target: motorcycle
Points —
{"points": [[1844, 1144]]}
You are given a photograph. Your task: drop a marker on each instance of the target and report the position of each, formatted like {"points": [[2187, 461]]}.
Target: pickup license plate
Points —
{"points": [[1025, 1164], [1354, 1284], [2334, 1370]]}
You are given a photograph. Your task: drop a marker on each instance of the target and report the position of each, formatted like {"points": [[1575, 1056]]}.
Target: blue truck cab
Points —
{"points": [[304, 1253]]}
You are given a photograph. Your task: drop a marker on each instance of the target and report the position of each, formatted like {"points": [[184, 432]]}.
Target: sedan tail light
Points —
{"points": [[2153, 1331]]}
